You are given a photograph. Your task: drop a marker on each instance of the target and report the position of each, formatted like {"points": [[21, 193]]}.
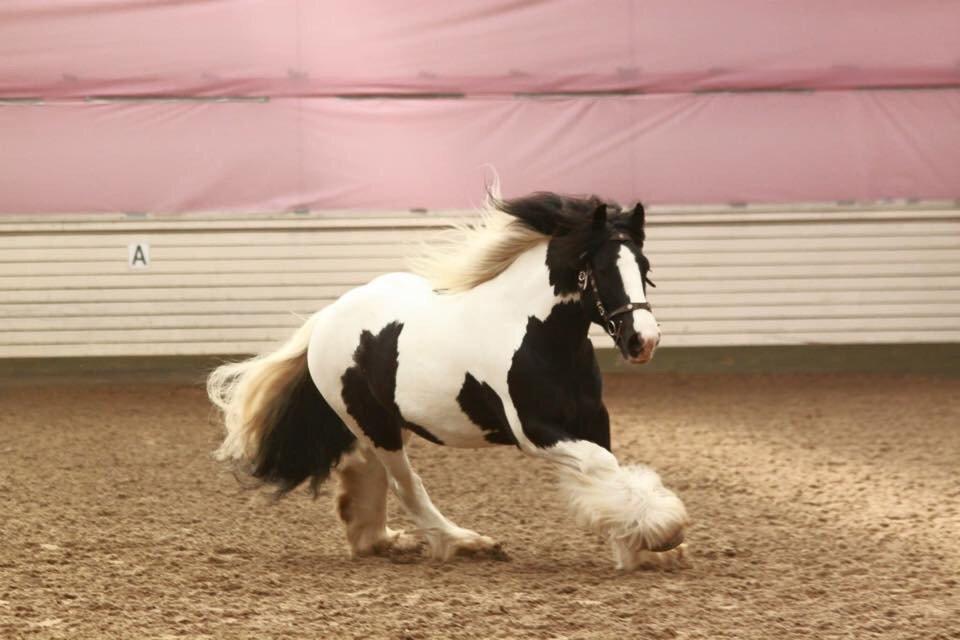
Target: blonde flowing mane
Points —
{"points": [[472, 253]]}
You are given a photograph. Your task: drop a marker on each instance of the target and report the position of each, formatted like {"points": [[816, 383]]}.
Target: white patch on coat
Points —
{"points": [[643, 321]]}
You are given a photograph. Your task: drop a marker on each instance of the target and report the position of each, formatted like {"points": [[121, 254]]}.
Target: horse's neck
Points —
{"points": [[524, 290]]}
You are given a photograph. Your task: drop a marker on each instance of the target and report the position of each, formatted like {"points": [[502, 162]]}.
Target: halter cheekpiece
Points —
{"points": [[585, 280]]}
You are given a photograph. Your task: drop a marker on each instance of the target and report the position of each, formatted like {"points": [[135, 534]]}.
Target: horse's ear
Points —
{"points": [[637, 219], [600, 216]]}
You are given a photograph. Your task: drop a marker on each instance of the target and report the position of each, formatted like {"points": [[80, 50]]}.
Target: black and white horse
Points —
{"points": [[487, 346]]}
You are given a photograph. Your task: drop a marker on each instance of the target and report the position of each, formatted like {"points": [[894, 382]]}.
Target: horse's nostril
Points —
{"points": [[635, 345]]}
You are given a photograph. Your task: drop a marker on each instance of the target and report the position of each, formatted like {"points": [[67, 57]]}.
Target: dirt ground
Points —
{"points": [[825, 506]]}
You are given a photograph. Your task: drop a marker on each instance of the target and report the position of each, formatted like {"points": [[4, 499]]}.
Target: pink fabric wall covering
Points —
{"points": [[329, 153], [64, 48], [304, 149]]}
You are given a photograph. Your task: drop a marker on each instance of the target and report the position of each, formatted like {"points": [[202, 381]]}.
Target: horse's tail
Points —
{"points": [[279, 427]]}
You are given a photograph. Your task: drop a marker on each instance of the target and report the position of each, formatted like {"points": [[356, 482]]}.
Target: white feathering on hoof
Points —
{"points": [[627, 504]]}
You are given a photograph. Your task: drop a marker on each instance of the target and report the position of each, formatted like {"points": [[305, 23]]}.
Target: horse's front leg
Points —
{"points": [[627, 504]]}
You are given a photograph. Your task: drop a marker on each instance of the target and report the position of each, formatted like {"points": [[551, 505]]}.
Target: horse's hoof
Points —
{"points": [[406, 550], [497, 552], [490, 549], [405, 543], [671, 560], [672, 543], [472, 545], [393, 544], [676, 558]]}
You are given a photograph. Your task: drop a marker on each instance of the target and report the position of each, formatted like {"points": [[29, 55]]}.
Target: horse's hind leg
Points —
{"points": [[444, 537], [368, 391], [362, 505]]}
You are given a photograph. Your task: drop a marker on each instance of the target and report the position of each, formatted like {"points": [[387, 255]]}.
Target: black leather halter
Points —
{"points": [[586, 280]]}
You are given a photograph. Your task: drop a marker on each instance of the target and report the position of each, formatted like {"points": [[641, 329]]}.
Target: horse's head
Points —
{"points": [[613, 275], [596, 250]]}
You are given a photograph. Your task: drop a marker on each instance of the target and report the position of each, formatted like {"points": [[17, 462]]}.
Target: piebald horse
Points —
{"points": [[487, 345]]}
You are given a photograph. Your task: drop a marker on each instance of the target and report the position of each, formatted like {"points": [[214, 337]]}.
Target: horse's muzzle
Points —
{"points": [[638, 350]]}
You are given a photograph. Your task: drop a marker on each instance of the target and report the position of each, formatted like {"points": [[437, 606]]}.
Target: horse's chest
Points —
{"points": [[559, 400]]}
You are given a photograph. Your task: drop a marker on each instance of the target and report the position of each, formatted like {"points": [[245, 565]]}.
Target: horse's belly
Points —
{"points": [[433, 361], [451, 428], [433, 366], [431, 403]]}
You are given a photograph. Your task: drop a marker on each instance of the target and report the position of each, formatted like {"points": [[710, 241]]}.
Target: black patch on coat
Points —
{"points": [[485, 409], [306, 441], [423, 433], [369, 386], [555, 382], [369, 390]]}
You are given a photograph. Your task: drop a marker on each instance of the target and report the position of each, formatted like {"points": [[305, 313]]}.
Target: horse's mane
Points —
{"points": [[472, 253]]}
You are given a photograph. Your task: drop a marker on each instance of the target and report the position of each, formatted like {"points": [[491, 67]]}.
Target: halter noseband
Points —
{"points": [[586, 280]]}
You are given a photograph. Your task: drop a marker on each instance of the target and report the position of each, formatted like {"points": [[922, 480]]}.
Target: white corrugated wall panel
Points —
{"points": [[220, 284]]}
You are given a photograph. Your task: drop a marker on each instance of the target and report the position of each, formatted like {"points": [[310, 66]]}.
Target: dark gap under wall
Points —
{"points": [[927, 359]]}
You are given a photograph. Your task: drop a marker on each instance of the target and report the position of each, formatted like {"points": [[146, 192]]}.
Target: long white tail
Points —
{"points": [[252, 394], [278, 425]]}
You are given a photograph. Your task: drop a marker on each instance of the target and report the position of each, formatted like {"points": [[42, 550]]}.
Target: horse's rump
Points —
{"points": [[280, 429]]}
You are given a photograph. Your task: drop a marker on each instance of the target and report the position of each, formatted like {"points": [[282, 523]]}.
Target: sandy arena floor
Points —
{"points": [[826, 506]]}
